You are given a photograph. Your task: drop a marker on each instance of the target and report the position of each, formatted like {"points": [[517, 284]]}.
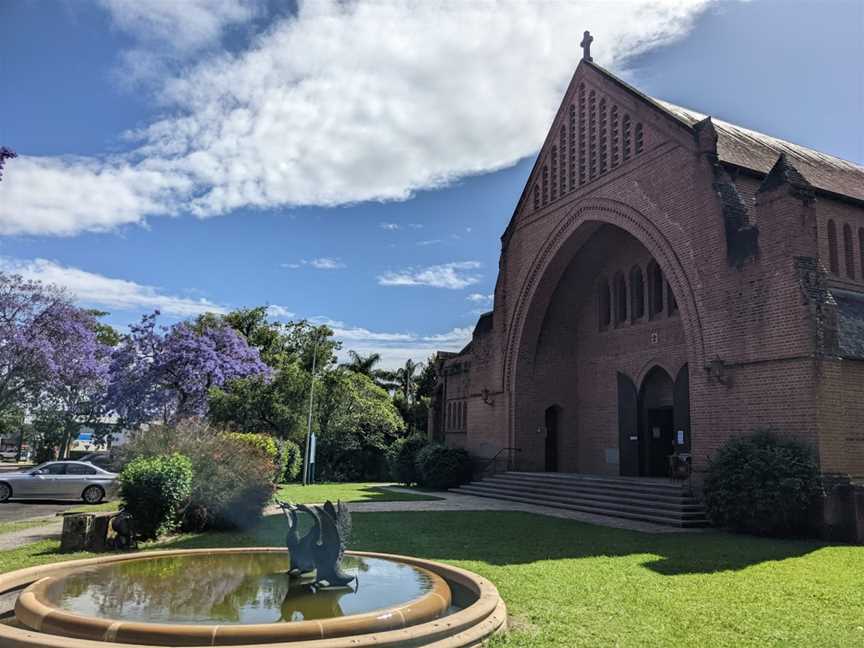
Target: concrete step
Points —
{"points": [[644, 516], [599, 495], [679, 496], [552, 499], [626, 483]]}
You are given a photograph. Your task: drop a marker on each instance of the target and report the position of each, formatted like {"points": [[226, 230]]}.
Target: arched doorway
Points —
{"points": [[653, 421], [657, 418], [560, 349], [551, 422]]}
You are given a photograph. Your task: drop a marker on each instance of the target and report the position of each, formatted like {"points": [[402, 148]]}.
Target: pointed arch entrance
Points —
{"points": [[653, 421]]}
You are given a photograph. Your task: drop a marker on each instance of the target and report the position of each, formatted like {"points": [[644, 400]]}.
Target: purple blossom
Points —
{"points": [[166, 374], [49, 353]]}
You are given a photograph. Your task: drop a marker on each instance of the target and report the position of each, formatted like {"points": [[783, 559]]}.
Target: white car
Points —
{"points": [[8, 455], [59, 480]]}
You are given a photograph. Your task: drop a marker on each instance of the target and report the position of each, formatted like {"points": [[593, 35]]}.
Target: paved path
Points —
{"points": [[14, 539], [458, 502]]}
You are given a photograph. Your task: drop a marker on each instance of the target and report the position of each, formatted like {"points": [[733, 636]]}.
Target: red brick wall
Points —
{"points": [[760, 319]]}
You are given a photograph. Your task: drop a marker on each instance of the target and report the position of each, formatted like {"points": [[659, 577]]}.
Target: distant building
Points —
{"points": [[667, 280]]}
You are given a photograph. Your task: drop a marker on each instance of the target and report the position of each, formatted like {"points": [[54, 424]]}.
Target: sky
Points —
{"points": [[352, 163]]}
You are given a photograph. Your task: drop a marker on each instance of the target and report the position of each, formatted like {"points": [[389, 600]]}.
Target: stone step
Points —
{"points": [[624, 506], [645, 516], [592, 486], [600, 494], [640, 483]]}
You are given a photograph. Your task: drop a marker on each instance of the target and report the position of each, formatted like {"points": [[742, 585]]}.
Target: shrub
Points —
{"points": [[291, 461], [263, 443], [440, 467], [402, 458], [762, 484], [233, 479], [154, 491]]}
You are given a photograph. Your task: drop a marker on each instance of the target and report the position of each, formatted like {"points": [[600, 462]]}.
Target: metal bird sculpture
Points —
{"points": [[317, 554]]}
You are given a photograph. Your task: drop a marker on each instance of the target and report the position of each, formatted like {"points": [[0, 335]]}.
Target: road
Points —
{"points": [[20, 510]]}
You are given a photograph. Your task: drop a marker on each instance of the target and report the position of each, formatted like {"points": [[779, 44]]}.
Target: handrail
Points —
{"points": [[491, 462]]}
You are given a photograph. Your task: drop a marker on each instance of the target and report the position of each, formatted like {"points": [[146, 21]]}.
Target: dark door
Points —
{"points": [[552, 439], [628, 429], [659, 438]]}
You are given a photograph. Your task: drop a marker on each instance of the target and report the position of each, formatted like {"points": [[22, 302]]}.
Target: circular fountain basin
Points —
{"points": [[245, 597]]}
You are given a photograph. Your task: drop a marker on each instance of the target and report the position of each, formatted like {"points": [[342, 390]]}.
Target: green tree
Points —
{"points": [[368, 366], [356, 423], [277, 405]]}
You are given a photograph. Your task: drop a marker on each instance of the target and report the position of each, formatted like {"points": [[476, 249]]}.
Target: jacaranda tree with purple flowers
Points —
{"points": [[51, 362], [165, 373]]}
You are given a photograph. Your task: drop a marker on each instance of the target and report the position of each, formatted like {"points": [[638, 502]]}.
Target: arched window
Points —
{"points": [[639, 140], [861, 249], [620, 298], [833, 261], [461, 415], [536, 197], [544, 180], [465, 416], [604, 304], [849, 250], [637, 294], [655, 289], [553, 155], [449, 424], [670, 300], [562, 148]]}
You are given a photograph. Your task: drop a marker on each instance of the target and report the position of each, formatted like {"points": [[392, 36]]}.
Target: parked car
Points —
{"points": [[8, 455], [62, 480], [99, 459]]}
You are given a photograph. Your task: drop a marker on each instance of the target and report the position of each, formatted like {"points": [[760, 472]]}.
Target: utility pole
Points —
{"points": [[308, 453]]}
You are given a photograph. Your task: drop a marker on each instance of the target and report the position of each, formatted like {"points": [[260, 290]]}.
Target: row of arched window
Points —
{"points": [[848, 251], [457, 416], [629, 297], [600, 138]]}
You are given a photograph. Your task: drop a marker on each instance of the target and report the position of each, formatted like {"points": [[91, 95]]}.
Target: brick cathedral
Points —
{"points": [[667, 280]]}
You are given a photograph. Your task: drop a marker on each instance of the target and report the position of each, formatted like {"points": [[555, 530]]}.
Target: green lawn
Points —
{"points": [[347, 492], [572, 584]]}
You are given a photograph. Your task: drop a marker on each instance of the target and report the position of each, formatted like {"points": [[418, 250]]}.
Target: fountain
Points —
{"points": [[314, 593]]}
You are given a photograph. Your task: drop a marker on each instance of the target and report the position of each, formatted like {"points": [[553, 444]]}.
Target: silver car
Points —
{"points": [[61, 480]]}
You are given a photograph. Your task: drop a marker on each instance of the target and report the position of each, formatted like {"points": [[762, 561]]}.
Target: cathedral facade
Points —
{"points": [[667, 280]]}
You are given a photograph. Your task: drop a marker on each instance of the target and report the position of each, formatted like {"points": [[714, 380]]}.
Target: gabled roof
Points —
{"points": [[759, 152]]}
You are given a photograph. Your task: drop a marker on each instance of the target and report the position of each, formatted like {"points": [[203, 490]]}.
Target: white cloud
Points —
{"points": [[429, 242], [344, 102], [389, 226], [183, 25], [275, 310], [321, 263], [447, 275], [326, 263], [479, 298], [91, 289], [396, 348]]}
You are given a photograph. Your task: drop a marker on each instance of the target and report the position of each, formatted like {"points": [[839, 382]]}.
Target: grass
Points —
{"points": [[347, 492], [102, 507], [20, 525], [572, 584]]}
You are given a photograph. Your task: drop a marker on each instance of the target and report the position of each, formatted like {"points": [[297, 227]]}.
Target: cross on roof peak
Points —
{"points": [[587, 39]]}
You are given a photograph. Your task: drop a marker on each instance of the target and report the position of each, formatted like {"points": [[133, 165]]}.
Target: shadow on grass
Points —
{"points": [[512, 538]]}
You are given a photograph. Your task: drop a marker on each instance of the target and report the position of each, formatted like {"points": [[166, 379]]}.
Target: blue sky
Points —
{"points": [[354, 164]]}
